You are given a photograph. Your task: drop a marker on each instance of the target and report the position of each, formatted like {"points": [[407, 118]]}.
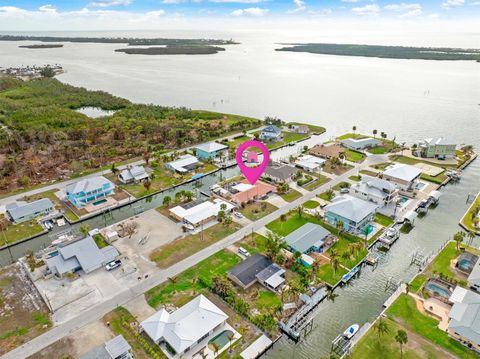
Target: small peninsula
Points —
{"points": [[387, 52], [42, 46], [173, 50]]}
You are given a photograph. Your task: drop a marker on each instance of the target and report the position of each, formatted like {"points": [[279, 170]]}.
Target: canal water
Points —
{"points": [[362, 299]]}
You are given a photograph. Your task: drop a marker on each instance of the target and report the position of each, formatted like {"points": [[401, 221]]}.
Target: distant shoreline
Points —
{"points": [[52, 46], [173, 50], [387, 52]]}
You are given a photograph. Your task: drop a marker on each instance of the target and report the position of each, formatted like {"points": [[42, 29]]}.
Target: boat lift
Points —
{"points": [[419, 259]]}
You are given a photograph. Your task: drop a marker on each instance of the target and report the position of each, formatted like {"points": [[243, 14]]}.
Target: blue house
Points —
{"points": [[211, 150], [89, 190], [271, 133], [355, 214]]}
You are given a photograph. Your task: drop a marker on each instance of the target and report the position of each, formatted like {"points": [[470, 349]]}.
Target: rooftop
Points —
{"points": [[211, 147], [185, 326], [351, 208], [89, 184], [22, 209], [184, 163], [246, 271], [465, 314], [272, 129], [306, 237], [136, 173], [327, 151], [439, 141], [199, 212], [259, 189], [403, 172], [280, 171], [375, 186], [309, 161]]}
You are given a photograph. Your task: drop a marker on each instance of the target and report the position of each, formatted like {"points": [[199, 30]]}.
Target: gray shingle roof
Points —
{"points": [[272, 129], [465, 316], [307, 236], [280, 171], [351, 208], [19, 210], [247, 270]]}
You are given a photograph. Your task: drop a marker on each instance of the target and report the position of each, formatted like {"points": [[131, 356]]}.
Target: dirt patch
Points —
{"points": [[23, 313], [61, 349]]}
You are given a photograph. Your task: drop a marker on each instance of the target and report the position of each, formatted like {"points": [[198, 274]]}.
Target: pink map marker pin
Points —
{"points": [[252, 174]]}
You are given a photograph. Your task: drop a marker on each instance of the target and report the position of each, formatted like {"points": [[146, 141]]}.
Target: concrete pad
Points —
{"points": [[90, 337], [257, 347], [140, 308], [429, 169], [276, 200]]}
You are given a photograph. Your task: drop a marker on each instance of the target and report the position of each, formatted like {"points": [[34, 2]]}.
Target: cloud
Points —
{"points": [[252, 11], [367, 10], [108, 3], [320, 12], [453, 3], [48, 8], [351, 1], [238, 1], [156, 13], [299, 6], [169, 2], [406, 10]]}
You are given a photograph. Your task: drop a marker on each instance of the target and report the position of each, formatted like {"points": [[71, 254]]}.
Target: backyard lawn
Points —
{"points": [[233, 144], [179, 249], [321, 180], [412, 161], [354, 156], [268, 300], [369, 173], [471, 214], [315, 129], [291, 195], [16, 232], [404, 312], [383, 220], [255, 211], [311, 204], [356, 178], [183, 289]]}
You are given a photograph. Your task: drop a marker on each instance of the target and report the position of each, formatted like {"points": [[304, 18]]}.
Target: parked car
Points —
{"points": [[238, 214], [344, 190], [243, 252], [113, 264]]}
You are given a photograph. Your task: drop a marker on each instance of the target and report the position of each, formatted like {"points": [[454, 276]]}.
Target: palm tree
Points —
{"points": [[401, 338], [375, 133], [300, 211], [346, 255], [167, 200], [296, 256], [114, 169], [84, 229], [331, 295], [230, 337], [408, 286], [194, 283], [366, 232], [173, 281], [147, 184], [458, 237], [335, 263], [339, 225], [354, 128], [381, 326], [215, 347], [471, 237]]}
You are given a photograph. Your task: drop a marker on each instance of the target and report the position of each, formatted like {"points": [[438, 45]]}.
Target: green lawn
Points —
{"points": [[325, 196], [404, 311], [356, 178], [311, 204], [287, 138], [255, 211], [321, 180], [175, 251], [383, 220], [412, 161], [438, 179], [369, 173], [100, 241], [17, 232], [354, 156], [257, 244], [341, 185], [219, 263], [291, 195], [382, 166], [417, 283], [268, 300], [315, 129], [326, 273], [233, 144], [469, 216]]}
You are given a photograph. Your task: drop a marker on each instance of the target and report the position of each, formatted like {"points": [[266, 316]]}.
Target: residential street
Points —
{"points": [[98, 311]]}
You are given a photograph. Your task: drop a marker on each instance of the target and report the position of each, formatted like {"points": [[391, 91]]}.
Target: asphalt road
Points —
{"points": [[98, 311]]}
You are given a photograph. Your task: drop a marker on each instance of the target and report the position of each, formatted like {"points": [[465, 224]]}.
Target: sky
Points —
{"points": [[17, 15]]}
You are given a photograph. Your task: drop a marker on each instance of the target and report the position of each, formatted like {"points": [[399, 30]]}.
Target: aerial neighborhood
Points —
{"points": [[187, 258]]}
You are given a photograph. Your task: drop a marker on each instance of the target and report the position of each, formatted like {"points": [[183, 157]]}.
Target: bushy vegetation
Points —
{"points": [[45, 139]]}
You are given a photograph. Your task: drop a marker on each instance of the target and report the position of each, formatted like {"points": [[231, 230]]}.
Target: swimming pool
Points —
{"points": [[221, 339], [403, 200], [420, 185], [438, 289], [465, 265], [370, 228], [99, 202]]}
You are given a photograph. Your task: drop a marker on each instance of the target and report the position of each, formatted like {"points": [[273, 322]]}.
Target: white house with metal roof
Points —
{"points": [[133, 174], [82, 254], [403, 176], [464, 317], [211, 150], [374, 189], [183, 164], [186, 331], [440, 148], [308, 238], [196, 213], [360, 143], [18, 212], [355, 213], [310, 163]]}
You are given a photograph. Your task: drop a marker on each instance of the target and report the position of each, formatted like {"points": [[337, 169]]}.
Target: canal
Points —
{"points": [[362, 299]]}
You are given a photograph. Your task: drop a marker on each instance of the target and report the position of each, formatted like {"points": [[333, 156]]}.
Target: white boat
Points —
{"points": [[351, 331]]}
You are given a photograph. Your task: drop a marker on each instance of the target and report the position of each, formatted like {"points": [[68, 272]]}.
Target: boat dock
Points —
{"points": [[302, 318], [341, 346]]}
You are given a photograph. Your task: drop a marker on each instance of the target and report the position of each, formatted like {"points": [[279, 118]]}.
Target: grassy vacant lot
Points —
{"points": [[58, 204], [341, 247], [404, 312], [16, 232], [372, 346], [234, 143], [354, 156], [471, 214], [120, 320], [183, 289], [337, 169], [369, 173], [321, 180], [356, 178], [341, 185], [291, 195], [412, 161], [383, 220], [311, 204], [175, 251], [286, 139], [315, 129], [255, 211], [255, 244], [382, 166]]}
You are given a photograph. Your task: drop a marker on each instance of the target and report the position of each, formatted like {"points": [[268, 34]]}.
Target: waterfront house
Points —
{"points": [[474, 277], [211, 150], [376, 190], [18, 212], [79, 255], [359, 144], [89, 190], [464, 317], [439, 148], [183, 164], [310, 163], [257, 268], [327, 152], [308, 238], [245, 192], [116, 348], [186, 332], [355, 213], [133, 174], [200, 212], [271, 133], [405, 177], [302, 129], [279, 172]]}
